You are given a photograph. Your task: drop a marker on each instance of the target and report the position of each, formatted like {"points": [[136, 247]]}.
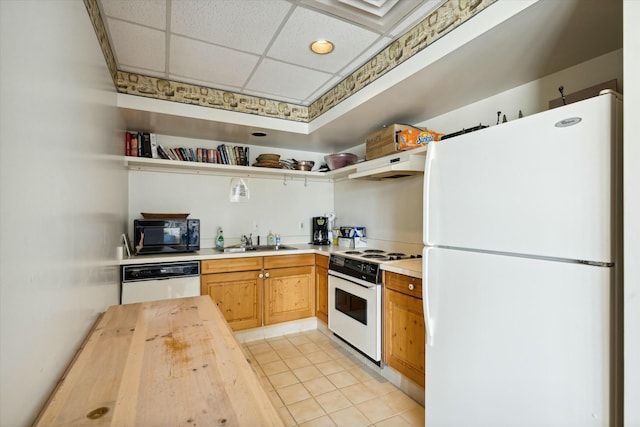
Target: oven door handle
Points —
{"points": [[352, 279]]}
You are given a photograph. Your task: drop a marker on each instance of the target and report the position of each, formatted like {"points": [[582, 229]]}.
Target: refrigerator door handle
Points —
{"points": [[425, 297], [427, 189]]}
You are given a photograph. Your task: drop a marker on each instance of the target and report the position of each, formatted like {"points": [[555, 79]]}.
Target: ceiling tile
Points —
{"points": [[151, 13], [147, 52], [304, 26], [210, 63], [244, 25], [287, 80]]}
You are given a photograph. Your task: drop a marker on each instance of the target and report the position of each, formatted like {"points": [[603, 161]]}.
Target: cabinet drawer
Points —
{"points": [[289, 261], [402, 283], [322, 261], [231, 264]]}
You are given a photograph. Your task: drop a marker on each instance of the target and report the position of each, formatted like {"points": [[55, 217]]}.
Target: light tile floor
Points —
{"points": [[313, 381]]}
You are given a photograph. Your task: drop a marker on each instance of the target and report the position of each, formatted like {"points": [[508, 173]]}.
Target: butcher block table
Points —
{"points": [[163, 363]]}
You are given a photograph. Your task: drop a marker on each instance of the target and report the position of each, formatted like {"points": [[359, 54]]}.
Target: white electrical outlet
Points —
{"points": [[301, 225]]}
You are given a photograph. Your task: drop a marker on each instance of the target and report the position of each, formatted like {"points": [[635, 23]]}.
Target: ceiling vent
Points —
{"points": [[378, 15]]}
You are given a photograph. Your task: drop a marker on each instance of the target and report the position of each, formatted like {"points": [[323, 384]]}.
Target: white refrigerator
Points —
{"points": [[519, 270]]}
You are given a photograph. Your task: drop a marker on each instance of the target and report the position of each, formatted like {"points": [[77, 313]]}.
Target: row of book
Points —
{"points": [[144, 144]]}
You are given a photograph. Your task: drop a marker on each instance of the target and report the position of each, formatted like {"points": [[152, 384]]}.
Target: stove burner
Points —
{"points": [[376, 256], [353, 252], [374, 251], [396, 254]]}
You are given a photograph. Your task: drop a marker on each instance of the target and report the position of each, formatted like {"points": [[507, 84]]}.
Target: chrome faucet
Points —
{"points": [[246, 241]]}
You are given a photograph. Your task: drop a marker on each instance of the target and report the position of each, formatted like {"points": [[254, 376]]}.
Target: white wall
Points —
{"points": [[632, 213], [390, 209], [63, 196], [272, 206], [532, 97]]}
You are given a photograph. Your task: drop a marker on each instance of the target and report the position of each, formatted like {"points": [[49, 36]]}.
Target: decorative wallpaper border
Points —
{"points": [[101, 33], [450, 15]]}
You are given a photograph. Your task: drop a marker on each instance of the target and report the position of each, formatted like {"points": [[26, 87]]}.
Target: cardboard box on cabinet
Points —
{"points": [[383, 142], [398, 137]]}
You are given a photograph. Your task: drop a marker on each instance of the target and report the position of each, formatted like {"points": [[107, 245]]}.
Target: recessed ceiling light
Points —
{"points": [[259, 134], [321, 47]]}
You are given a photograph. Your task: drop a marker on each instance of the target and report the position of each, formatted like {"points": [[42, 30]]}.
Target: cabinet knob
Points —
{"points": [[260, 276], [266, 275], [411, 287]]}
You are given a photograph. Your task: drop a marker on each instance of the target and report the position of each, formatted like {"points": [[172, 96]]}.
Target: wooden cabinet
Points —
{"points": [[404, 329], [322, 288], [289, 292], [256, 291], [235, 285]]}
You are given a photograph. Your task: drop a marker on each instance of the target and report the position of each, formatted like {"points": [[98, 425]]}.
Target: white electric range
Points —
{"points": [[355, 297]]}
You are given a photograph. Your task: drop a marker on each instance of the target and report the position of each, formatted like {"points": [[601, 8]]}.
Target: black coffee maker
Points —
{"points": [[319, 230]]}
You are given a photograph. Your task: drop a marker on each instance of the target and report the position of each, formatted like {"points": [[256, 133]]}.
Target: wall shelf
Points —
{"points": [[411, 161], [174, 166]]}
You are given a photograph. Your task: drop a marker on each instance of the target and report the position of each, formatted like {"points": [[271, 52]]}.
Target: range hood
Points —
{"points": [[399, 165]]}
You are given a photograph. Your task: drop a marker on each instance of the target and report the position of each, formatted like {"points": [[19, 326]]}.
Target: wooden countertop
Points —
{"points": [[408, 267], [162, 363]]}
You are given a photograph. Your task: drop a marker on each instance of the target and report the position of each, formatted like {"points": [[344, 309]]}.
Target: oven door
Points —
{"points": [[355, 313]]}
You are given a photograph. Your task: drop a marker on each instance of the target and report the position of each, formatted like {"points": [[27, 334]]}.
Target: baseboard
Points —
{"points": [[271, 331]]}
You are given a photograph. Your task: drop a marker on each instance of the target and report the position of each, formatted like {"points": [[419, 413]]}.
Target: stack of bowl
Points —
{"points": [[268, 161]]}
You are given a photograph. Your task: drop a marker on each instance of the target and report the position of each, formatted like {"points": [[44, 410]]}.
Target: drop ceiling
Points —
{"points": [[261, 48], [255, 47]]}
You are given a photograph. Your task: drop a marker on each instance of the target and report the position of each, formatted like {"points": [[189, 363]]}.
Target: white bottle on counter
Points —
{"points": [[271, 240], [277, 240], [220, 240]]}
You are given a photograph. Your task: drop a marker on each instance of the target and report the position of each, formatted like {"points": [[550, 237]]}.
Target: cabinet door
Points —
{"points": [[289, 294], [322, 294], [404, 334], [237, 295]]}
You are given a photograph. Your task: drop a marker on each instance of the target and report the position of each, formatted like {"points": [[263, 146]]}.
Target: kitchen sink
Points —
{"points": [[258, 248]]}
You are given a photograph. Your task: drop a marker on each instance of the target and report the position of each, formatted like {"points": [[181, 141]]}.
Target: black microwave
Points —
{"points": [[160, 236]]}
